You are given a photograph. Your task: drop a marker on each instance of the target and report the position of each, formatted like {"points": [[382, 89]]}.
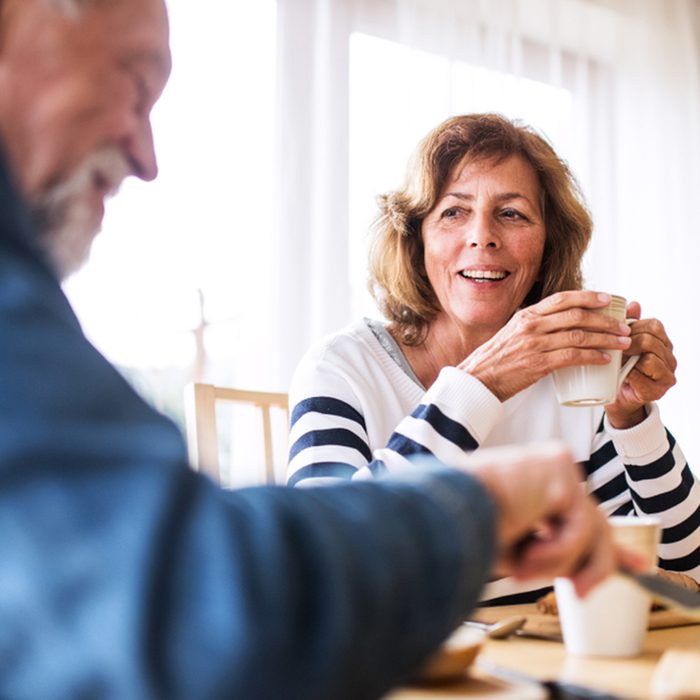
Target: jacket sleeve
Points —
{"points": [[126, 575], [145, 581], [336, 592]]}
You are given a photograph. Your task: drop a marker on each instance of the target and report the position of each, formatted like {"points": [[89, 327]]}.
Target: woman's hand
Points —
{"points": [[652, 376], [561, 330]]}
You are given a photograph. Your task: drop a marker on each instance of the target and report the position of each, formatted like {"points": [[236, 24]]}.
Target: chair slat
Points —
{"points": [[200, 418]]}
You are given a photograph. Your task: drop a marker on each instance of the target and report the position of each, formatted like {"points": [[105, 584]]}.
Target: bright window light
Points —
{"points": [[205, 223]]}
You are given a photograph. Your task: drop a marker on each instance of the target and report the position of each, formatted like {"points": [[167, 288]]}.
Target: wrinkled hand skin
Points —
{"points": [[652, 376], [561, 330]]}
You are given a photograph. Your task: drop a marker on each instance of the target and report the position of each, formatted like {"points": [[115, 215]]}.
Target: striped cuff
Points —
{"points": [[464, 399], [642, 443]]}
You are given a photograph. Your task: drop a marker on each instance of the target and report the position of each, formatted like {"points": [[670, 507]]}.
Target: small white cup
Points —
{"points": [[595, 385], [612, 619]]}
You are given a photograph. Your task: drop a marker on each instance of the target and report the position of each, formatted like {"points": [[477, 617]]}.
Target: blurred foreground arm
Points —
{"points": [[126, 575]]}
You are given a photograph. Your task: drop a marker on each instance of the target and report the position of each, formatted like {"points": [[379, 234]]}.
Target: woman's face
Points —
{"points": [[484, 241]]}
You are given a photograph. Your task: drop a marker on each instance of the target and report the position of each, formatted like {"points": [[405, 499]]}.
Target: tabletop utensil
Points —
{"points": [[501, 629], [666, 591], [556, 690]]}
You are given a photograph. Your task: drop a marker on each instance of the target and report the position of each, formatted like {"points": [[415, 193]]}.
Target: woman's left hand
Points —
{"points": [[652, 376]]}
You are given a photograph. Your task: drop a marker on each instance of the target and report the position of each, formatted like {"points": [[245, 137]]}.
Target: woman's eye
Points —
{"points": [[513, 214], [450, 213]]}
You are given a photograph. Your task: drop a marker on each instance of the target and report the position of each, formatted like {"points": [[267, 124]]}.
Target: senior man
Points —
{"points": [[123, 573]]}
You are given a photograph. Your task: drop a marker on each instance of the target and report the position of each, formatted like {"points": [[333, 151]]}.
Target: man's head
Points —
{"points": [[78, 79]]}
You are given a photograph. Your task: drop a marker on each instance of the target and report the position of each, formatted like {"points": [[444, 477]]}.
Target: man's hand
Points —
{"points": [[547, 525]]}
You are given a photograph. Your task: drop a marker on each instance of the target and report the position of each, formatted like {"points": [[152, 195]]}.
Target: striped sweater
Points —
{"points": [[358, 411]]}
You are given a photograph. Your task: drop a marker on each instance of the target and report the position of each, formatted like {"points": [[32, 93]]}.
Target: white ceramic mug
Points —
{"points": [[595, 385], [612, 619]]}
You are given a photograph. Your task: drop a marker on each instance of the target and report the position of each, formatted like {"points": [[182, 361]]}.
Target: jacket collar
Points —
{"points": [[17, 230]]}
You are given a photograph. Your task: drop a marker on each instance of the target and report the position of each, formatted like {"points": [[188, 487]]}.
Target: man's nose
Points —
{"points": [[141, 152], [481, 233]]}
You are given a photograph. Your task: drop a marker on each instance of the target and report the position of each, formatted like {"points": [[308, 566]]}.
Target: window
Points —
{"points": [[201, 231]]}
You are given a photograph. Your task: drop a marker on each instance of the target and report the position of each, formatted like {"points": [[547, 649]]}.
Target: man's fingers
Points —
{"points": [[600, 562], [627, 559], [570, 546], [604, 561]]}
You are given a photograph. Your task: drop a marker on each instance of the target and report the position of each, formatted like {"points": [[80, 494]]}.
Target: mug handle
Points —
{"points": [[631, 361], [626, 369]]}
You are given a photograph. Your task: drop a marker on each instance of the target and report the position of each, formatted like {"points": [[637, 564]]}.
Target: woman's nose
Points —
{"points": [[481, 234]]}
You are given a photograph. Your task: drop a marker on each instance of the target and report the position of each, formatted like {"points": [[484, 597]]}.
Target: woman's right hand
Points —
{"points": [[561, 330]]}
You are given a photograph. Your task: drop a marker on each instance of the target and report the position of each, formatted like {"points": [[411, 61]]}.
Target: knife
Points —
{"points": [[667, 592], [555, 689]]}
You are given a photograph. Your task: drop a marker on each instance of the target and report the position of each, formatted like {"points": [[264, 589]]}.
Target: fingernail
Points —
{"points": [[602, 296], [605, 355], [624, 328], [624, 340]]}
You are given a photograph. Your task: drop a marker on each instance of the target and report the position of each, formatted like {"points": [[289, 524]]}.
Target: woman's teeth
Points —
{"points": [[483, 275]]}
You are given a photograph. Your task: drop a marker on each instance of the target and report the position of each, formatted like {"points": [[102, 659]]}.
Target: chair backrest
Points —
{"points": [[201, 421]]}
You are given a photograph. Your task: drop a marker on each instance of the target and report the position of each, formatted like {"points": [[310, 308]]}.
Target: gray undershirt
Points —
{"points": [[392, 348]]}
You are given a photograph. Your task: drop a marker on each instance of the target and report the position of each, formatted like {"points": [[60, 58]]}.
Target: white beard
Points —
{"points": [[68, 224]]}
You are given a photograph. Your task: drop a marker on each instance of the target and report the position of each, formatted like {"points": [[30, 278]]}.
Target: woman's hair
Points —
{"points": [[397, 276]]}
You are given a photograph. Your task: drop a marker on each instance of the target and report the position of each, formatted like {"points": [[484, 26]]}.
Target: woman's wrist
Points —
{"points": [[623, 420], [486, 377]]}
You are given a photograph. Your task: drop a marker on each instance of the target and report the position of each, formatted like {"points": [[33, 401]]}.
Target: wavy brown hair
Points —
{"points": [[397, 277]]}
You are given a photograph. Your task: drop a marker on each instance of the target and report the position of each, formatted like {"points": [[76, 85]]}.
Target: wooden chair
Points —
{"points": [[203, 439]]}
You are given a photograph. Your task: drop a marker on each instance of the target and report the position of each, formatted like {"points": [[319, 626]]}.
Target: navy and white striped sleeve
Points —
{"points": [[329, 438], [328, 441], [643, 471]]}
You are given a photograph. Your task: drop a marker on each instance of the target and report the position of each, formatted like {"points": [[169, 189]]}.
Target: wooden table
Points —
{"points": [[548, 660]]}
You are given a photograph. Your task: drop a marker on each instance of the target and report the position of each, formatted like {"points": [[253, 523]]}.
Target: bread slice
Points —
{"points": [[547, 604]]}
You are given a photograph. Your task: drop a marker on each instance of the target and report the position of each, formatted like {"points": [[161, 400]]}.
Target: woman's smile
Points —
{"points": [[484, 274], [484, 241]]}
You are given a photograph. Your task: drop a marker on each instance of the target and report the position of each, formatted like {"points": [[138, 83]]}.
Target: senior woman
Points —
{"points": [[476, 264]]}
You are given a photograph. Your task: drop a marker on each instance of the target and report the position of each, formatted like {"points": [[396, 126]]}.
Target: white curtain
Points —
{"points": [[312, 175], [632, 68], [656, 229]]}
